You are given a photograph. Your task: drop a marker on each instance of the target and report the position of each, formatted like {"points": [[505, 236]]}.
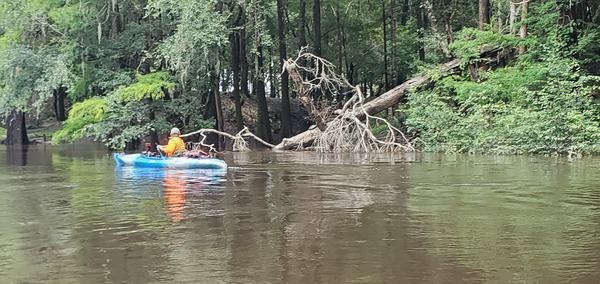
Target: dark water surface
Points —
{"points": [[69, 215]]}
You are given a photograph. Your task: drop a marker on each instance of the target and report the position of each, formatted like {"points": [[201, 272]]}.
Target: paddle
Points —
{"points": [[159, 151]]}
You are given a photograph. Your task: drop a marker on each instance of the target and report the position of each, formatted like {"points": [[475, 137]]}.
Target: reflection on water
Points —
{"points": [[69, 215], [176, 185]]}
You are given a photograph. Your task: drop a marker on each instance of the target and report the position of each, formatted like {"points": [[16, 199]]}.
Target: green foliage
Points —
{"points": [[119, 117], [123, 115], [500, 115], [199, 35], [471, 42], [28, 77], [83, 114], [104, 119], [150, 86], [121, 124], [185, 110], [541, 103]]}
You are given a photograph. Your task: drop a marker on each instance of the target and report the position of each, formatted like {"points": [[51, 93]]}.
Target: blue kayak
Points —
{"points": [[139, 160]]}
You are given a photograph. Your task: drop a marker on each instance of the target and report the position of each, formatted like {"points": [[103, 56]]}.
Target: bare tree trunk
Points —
{"points": [[286, 119], [512, 17], [420, 31], [243, 63], [405, 9], [263, 122], [525, 7], [59, 103], [395, 95], [302, 31], [16, 130], [218, 105], [318, 95], [340, 45], [393, 16], [115, 23], [501, 17], [484, 13], [273, 89], [385, 59], [317, 26], [235, 66]]}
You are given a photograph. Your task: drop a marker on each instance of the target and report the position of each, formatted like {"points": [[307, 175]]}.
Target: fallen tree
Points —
{"points": [[360, 112]]}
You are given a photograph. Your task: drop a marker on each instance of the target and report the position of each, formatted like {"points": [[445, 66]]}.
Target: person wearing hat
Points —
{"points": [[175, 147]]}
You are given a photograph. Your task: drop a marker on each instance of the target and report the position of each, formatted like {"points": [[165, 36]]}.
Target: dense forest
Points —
{"points": [[129, 70]]}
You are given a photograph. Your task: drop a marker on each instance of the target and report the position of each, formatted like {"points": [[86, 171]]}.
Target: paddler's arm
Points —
{"points": [[170, 148]]}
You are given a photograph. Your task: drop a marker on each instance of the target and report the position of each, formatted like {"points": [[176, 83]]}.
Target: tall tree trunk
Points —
{"points": [[235, 67], [243, 62], [512, 17], [385, 58], [218, 106], [484, 13], [317, 26], [393, 16], [16, 130], [420, 31], [59, 103], [340, 45], [405, 10], [501, 17], [263, 122], [302, 32], [115, 20], [524, 8], [318, 40], [286, 119], [273, 89]]}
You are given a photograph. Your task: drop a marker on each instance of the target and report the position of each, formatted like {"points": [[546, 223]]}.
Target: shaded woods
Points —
{"points": [[523, 76]]}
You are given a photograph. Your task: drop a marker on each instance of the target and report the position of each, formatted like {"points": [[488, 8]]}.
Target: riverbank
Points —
{"points": [[41, 130]]}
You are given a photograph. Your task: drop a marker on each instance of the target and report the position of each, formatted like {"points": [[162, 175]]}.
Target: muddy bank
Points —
{"points": [[299, 116]]}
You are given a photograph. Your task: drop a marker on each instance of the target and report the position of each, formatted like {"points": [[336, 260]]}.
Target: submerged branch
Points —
{"points": [[239, 142]]}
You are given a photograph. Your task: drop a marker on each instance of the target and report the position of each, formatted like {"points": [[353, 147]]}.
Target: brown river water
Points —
{"points": [[69, 215]]}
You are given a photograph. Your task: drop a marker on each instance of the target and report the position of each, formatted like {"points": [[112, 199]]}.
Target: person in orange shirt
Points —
{"points": [[175, 147]]}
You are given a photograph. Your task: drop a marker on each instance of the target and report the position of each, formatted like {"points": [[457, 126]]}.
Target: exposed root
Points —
{"points": [[317, 76], [345, 132]]}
